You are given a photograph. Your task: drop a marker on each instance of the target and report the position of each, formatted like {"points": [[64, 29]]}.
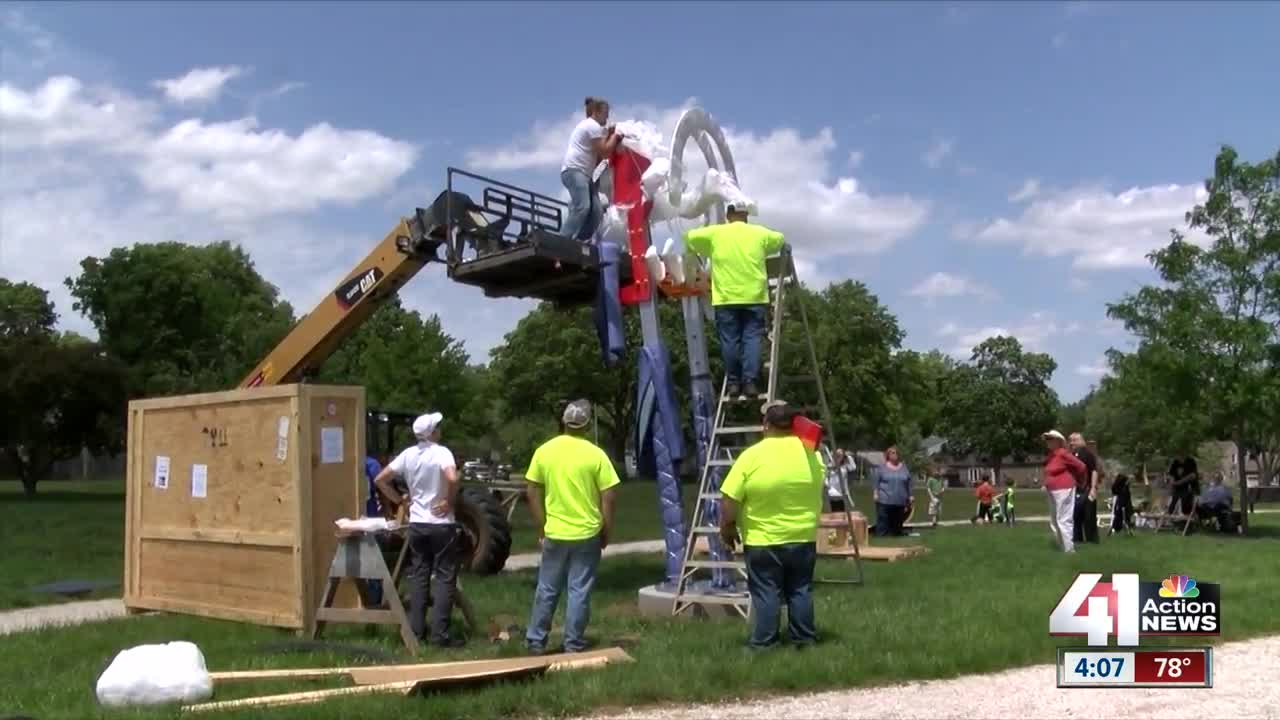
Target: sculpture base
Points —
{"points": [[655, 601]]}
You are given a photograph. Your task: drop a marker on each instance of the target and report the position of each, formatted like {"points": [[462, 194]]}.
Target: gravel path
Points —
{"points": [[1243, 687]]}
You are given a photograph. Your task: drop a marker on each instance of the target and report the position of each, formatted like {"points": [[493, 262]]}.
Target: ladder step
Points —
{"points": [[726, 564], [709, 496], [701, 599], [720, 463], [706, 530], [738, 430]]}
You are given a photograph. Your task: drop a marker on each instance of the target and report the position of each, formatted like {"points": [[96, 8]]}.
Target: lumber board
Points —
{"points": [[887, 554], [302, 698], [424, 669], [407, 679]]}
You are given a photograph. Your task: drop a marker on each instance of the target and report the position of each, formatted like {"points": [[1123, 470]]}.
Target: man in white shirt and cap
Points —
{"points": [[435, 537]]}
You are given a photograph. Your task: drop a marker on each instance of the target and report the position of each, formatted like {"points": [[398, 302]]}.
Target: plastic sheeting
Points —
{"points": [[155, 675], [659, 449], [608, 309]]}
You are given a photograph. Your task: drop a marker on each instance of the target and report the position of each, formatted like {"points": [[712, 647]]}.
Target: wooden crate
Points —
{"points": [[282, 464]]}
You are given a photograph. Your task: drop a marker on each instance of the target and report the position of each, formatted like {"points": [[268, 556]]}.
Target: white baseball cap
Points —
{"points": [[424, 425], [1054, 434]]}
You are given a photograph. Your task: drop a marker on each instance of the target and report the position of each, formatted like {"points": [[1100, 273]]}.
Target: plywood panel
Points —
{"points": [[219, 575], [248, 487], [336, 487]]}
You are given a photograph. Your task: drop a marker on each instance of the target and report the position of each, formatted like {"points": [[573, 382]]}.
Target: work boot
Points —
{"points": [[752, 391], [732, 390]]}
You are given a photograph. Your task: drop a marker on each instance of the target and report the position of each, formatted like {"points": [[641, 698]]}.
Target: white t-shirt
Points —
{"points": [[422, 467], [581, 155]]}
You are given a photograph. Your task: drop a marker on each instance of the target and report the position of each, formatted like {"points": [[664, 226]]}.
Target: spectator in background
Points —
{"points": [[936, 488], [1122, 510], [841, 464], [1216, 503], [373, 508], [891, 492], [1184, 478], [986, 492], [590, 143], [1085, 517], [1061, 469], [1006, 501]]}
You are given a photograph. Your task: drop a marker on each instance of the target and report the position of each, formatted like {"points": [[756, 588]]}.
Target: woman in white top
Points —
{"points": [[589, 144]]}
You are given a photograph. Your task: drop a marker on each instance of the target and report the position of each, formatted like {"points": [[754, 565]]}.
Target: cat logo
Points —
{"points": [[350, 292]]}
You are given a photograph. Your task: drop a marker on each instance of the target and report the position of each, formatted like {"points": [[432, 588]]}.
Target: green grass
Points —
{"points": [[977, 603], [69, 531]]}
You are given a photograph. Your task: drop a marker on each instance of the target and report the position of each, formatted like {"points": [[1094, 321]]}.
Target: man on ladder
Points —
{"points": [[776, 486], [737, 250]]}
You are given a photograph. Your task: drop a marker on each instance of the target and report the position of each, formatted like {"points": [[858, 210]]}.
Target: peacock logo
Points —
{"points": [[1179, 586]]}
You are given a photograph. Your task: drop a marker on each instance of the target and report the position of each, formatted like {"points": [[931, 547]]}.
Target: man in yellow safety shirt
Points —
{"points": [[775, 487], [571, 485], [739, 292]]}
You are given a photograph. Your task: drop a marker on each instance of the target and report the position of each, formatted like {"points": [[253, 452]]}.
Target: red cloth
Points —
{"points": [[1061, 469]]}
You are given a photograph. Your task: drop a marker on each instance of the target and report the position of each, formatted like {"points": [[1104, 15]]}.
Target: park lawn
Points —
{"points": [[978, 602]]}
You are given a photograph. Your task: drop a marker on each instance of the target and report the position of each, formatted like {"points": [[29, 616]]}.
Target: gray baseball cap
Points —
{"points": [[577, 414]]}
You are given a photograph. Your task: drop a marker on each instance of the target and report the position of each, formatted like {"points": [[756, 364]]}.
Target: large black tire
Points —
{"points": [[486, 533]]}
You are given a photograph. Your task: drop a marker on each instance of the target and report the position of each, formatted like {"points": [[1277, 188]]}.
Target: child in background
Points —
{"points": [[935, 487], [986, 494], [1122, 507], [1006, 502]]}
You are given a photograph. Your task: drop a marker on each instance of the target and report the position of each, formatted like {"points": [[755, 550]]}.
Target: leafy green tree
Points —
{"points": [[56, 398], [1219, 304], [855, 338], [407, 363], [183, 318], [998, 404], [25, 311]]}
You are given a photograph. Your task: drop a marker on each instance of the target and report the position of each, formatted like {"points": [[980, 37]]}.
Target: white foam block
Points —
{"points": [[155, 675]]}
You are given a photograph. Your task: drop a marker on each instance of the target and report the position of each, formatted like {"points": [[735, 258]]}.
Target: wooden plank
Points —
{"points": [[216, 535], [217, 612], [225, 397], [302, 698], [421, 670], [439, 672]]}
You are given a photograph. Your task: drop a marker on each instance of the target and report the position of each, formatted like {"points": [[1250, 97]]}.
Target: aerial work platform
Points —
{"points": [[508, 243]]}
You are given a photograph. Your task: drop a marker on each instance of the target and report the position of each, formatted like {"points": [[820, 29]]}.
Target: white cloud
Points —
{"points": [[1093, 370], [791, 176], [200, 85], [1035, 332], [937, 152], [1030, 188], [92, 168], [942, 284], [1097, 228]]}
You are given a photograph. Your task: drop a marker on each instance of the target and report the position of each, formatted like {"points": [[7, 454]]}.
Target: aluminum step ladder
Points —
{"points": [[737, 425]]}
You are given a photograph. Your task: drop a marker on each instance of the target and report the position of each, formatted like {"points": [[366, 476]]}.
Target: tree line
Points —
{"points": [[173, 318]]}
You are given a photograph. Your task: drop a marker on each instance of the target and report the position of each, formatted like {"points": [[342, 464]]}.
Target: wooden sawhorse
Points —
{"points": [[358, 558]]}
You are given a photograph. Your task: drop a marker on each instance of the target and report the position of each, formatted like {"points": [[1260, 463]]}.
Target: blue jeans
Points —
{"points": [[741, 331], [778, 574], [889, 519], [584, 211], [574, 563]]}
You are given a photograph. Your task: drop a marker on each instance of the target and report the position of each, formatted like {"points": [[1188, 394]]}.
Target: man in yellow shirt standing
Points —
{"points": [[775, 487], [739, 292], [571, 485]]}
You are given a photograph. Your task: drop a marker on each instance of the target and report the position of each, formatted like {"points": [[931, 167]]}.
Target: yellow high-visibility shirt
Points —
{"points": [[778, 482], [737, 251], [573, 472]]}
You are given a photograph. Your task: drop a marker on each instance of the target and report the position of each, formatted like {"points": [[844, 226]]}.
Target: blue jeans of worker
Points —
{"points": [[564, 563], [584, 209], [741, 331], [780, 575]]}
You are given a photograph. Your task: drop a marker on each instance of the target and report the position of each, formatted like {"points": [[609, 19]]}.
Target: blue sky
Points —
{"points": [[984, 168]]}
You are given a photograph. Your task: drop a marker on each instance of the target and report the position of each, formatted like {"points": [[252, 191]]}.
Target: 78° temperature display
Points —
{"points": [[1170, 667]]}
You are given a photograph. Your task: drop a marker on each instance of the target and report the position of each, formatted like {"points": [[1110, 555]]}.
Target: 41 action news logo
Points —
{"points": [[1128, 608]]}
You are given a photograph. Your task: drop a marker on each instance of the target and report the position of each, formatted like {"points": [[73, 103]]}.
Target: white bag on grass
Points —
{"points": [[155, 675]]}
